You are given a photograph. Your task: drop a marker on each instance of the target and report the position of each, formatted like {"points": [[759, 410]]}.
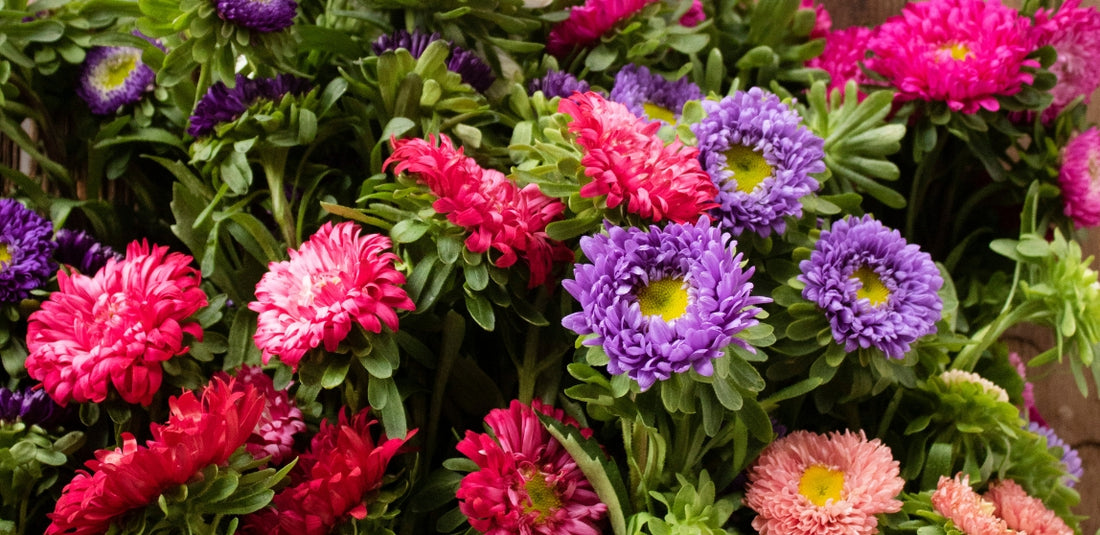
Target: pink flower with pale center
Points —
{"points": [[956, 501], [1074, 32], [1022, 512], [527, 483], [281, 419], [627, 162], [845, 51], [336, 279], [811, 484], [1079, 178], [114, 329]]}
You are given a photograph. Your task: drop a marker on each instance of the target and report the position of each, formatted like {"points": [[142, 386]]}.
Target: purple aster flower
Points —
{"points": [[558, 84], [112, 77], [25, 251], [264, 16], [80, 250], [662, 301], [415, 42], [1070, 457], [652, 97], [222, 104], [30, 406], [876, 289], [473, 70], [760, 157]]}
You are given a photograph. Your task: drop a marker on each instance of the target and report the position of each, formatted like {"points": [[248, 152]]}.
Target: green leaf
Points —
{"points": [[408, 230], [481, 310], [600, 471]]}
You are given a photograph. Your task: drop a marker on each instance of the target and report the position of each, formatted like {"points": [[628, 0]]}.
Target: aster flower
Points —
{"points": [[835, 484], [497, 213], [280, 421], [876, 289], [25, 250], [967, 511], [473, 70], [558, 84], [822, 21], [965, 53], [662, 301], [112, 77], [845, 50], [201, 431], [651, 96], [760, 158], [222, 104], [415, 42], [81, 251], [264, 16], [331, 483], [1070, 458], [30, 406], [588, 22], [336, 278], [526, 481], [695, 15], [1079, 178], [114, 329], [1022, 512], [628, 162], [957, 377], [1074, 32]]}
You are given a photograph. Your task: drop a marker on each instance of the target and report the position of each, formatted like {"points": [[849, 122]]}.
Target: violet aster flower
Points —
{"points": [[80, 250], [415, 42], [558, 84], [662, 301], [760, 157], [25, 251], [112, 77], [876, 289], [651, 96], [264, 16], [1070, 457], [30, 406], [473, 70], [222, 104]]}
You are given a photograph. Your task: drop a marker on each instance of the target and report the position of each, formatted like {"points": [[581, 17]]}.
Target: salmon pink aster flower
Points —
{"points": [[1079, 178], [280, 421], [627, 162], [497, 213], [967, 511], [965, 53], [25, 251], [337, 278], [1074, 32], [527, 482], [652, 96], [1022, 512], [835, 484], [114, 329]]}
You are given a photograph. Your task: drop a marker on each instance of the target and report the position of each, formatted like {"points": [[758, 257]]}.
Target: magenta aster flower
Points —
{"points": [[662, 301], [822, 21], [695, 15], [558, 84], [222, 104], [1023, 512], [264, 16], [965, 53], [112, 77], [651, 96], [25, 251], [526, 483], [336, 279], [845, 51], [760, 157], [79, 250], [1079, 178], [810, 484], [966, 509], [1074, 32], [280, 421], [588, 22], [876, 289]]}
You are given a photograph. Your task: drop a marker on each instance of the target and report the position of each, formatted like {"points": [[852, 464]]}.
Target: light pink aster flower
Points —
{"points": [[588, 22], [336, 279], [1079, 178], [280, 420], [954, 377], [965, 53], [845, 51], [956, 501], [114, 329], [1074, 32], [810, 484], [1022, 512]]}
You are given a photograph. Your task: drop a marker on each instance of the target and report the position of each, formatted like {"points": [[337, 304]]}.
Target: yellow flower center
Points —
{"points": [[5, 255], [666, 298], [872, 287], [659, 113], [114, 71], [956, 51], [821, 484], [543, 498], [749, 167]]}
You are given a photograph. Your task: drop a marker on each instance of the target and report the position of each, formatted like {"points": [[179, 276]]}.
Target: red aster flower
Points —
{"points": [[280, 421], [628, 162], [527, 483], [496, 212], [115, 328]]}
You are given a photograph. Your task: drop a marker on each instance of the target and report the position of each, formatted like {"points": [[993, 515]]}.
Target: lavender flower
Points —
{"points": [[473, 70], [264, 16], [876, 289], [222, 104], [1070, 458], [25, 251], [30, 406], [112, 77], [650, 96], [558, 84], [662, 301], [760, 158], [80, 250]]}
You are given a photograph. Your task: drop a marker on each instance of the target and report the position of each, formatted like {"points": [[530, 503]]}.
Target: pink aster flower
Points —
{"points": [[279, 422], [962, 52], [497, 213], [1074, 32], [114, 329], [695, 14], [588, 22], [845, 51], [1079, 178], [628, 163], [822, 23], [810, 484], [1022, 512], [336, 278], [956, 501], [527, 483]]}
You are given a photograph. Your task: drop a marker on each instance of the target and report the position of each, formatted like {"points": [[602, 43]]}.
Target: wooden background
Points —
{"points": [[1076, 419]]}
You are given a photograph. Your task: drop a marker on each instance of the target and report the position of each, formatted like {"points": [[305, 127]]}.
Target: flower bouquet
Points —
{"points": [[541, 266]]}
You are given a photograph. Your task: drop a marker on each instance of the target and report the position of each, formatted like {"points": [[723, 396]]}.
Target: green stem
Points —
{"points": [[530, 368], [920, 185], [991, 332], [454, 330], [274, 164]]}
